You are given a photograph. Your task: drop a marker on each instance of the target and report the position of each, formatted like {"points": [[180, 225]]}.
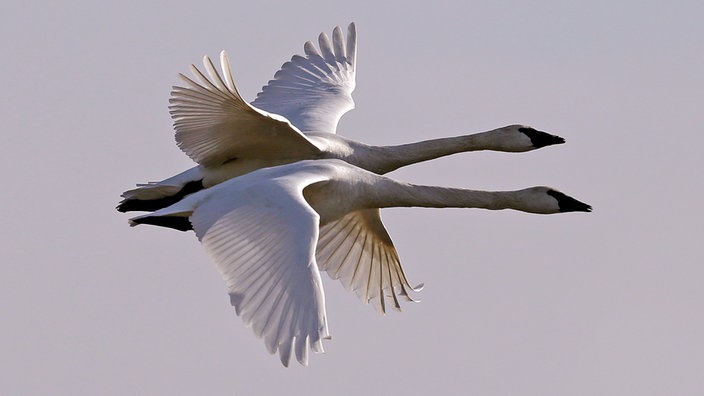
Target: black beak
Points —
{"points": [[540, 138], [569, 204]]}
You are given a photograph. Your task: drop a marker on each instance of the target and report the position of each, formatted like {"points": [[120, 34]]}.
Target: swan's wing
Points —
{"points": [[214, 124], [314, 91], [358, 250], [262, 239]]}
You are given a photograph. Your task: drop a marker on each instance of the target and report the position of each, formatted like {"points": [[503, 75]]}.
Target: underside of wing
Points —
{"points": [[215, 125], [262, 239], [314, 91], [358, 250]]}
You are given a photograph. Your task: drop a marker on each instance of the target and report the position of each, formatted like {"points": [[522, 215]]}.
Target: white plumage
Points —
{"points": [[271, 231]]}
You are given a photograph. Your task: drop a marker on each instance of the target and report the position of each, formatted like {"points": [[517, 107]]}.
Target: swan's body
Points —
{"points": [[294, 118], [269, 232]]}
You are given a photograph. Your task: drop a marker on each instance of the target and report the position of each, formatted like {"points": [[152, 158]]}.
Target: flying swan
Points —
{"points": [[262, 231], [294, 118]]}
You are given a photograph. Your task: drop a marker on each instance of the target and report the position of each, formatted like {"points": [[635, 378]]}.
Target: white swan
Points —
{"points": [[262, 231], [294, 118]]}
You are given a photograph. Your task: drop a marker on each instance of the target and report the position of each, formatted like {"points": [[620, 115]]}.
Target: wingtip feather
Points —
{"points": [[227, 71], [352, 45], [338, 41]]}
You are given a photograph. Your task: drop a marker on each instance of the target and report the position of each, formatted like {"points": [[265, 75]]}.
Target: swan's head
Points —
{"points": [[546, 200], [517, 138]]}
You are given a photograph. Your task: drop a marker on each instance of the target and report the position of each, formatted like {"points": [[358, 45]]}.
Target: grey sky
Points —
{"points": [[606, 303]]}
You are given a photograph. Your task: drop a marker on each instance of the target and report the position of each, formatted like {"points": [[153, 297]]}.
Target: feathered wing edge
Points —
{"points": [[358, 251], [214, 124], [262, 239], [314, 91]]}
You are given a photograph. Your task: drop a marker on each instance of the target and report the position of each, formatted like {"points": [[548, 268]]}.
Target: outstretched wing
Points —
{"points": [[358, 250], [214, 124], [314, 91], [262, 239]]}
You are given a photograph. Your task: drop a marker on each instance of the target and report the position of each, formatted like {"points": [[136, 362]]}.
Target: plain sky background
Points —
{"points": [[607, 303]]}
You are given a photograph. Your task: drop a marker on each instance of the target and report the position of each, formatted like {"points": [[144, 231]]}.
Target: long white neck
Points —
{"points": [[409, 195], [542, 200], [383, 159]]}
